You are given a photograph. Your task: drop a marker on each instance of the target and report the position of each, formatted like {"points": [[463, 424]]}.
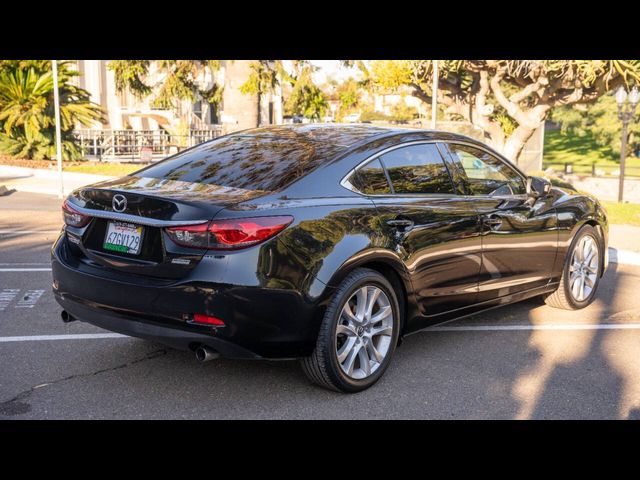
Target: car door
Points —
{"points": [[519, 232], [433, 228]]}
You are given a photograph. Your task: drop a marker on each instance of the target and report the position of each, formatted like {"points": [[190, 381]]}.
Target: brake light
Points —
{"points": [[72, 217], [229, 234], [207, 320]]}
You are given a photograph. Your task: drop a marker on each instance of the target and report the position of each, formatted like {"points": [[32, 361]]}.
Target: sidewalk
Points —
{"points": [[37, 180]]}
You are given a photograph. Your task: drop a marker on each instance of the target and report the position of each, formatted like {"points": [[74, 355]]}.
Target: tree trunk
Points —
{"points": [[515, 143]]}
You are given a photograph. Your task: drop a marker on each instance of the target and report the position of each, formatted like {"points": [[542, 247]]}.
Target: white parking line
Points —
{"points": [[41, 338], [472, 328], [498, 328], [28, 232], [25, 263], [25, 269]]}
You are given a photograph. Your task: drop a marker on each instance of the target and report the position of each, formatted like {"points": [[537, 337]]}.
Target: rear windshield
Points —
{"points": [[251, 162]]}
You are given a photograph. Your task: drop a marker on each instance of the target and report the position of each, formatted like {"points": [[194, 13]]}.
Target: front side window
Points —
{"points": [[486, 174], [417, 169]]}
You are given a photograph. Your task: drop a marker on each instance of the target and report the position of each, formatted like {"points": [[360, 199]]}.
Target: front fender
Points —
{"points": [[575, 211]]}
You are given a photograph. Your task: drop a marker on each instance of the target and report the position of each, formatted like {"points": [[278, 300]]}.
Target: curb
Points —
{"points": [[624, 257]]}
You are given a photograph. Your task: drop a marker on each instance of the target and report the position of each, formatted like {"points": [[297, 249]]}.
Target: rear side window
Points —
{"points": [[371, 179], [417, 169], [251, 162]]}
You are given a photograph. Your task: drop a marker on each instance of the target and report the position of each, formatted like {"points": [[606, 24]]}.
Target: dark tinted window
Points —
{"points": [[371, 179], [486, 174], [417, 169], [261, 161]]}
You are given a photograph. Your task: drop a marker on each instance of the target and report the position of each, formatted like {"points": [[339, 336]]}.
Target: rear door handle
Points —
{"points": [[400, 223]]}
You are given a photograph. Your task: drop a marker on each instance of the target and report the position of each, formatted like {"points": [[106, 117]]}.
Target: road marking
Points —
{"points": [[25, 269], [30, 299], [498, 328], [42, 338], [28, 232], [6, 295], [25, 263]]}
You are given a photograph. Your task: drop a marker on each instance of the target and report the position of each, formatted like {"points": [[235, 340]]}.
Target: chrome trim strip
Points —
{"points": [[346, 184], [125, 217]]}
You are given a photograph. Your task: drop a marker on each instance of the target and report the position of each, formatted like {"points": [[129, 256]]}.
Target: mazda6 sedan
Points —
{"points": [[324, 243]]}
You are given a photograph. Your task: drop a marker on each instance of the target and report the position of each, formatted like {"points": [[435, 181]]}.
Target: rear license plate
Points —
{"points": [[123, 238]]}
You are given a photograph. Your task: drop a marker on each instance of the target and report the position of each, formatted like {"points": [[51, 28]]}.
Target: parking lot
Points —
{"points": [[522, 361]]}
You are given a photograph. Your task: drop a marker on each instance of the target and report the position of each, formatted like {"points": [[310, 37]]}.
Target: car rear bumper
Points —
{"points": [[174, 337], [260, 322]]}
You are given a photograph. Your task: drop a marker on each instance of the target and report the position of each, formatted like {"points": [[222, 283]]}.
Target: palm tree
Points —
{"points": [[27, 121]]}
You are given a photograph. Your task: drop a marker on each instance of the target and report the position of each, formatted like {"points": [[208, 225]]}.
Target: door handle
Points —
{"points": [[492, 221], [400, 223]]}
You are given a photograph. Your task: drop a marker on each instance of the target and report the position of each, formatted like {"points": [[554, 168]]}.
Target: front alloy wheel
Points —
{"points": [[358, 334], [583, 269], [581, 272]]}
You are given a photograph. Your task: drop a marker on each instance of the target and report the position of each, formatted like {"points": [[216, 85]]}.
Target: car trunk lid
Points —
{"points": [[143, 208]]}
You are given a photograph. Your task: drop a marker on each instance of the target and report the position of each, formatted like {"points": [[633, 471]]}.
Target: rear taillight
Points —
{"points": [[229, 234], [72, 217]]}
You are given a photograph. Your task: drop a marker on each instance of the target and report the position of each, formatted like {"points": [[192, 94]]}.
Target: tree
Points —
{"points": [[180, 80], [306, 98], [348, 95], [27, 116], [507, 99], [266, 76], [601, 121]]}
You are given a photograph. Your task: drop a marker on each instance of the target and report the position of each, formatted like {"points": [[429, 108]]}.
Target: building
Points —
{"points": [[236, 111]]}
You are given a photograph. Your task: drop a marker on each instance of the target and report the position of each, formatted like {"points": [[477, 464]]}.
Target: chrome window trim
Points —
{"points": [[125, 217], [349, 186]]}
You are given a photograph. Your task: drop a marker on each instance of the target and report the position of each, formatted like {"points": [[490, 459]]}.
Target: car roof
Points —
{"points": [[335, 134]]}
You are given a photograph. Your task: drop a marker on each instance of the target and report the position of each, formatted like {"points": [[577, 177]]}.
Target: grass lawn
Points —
{"points": [[115, 169], [98, 168], [582, 151], [623, 213]]}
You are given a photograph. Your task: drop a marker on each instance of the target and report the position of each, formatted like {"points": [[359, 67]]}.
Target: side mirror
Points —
{"points": [[538, 186]]}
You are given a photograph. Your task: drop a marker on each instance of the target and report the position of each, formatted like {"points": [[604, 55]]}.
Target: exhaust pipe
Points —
{"points": [[67, 317], [204, 354]]}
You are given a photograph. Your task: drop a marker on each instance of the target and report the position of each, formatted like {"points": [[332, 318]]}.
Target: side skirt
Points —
{"points": [[483, 307]]}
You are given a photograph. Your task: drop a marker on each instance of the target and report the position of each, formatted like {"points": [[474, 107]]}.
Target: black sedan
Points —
{"points": [[326, 243]]}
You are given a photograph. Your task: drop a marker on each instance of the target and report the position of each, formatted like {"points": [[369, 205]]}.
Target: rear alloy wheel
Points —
{"points": [[581, 272], [358, 334]]}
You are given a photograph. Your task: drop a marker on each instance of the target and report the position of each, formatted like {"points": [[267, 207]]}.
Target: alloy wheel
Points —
{"points": [[364, 332], [583, 269]]}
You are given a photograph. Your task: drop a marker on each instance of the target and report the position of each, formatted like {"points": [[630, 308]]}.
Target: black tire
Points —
{"points": [[322, 366], [562, 297]]}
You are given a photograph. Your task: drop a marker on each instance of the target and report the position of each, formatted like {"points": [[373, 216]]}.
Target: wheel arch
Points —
{"points": [[390, 267], [593, 222]]}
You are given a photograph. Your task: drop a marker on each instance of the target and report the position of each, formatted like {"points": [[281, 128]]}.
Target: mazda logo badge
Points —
{"points": [[119, 203]]}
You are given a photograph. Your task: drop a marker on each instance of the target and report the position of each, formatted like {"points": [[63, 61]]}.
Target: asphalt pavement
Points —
{"points": [[520, 361]]}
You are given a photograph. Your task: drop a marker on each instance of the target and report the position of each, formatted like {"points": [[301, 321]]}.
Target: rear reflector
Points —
{"points": [[229, 234], [207, 320]]}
